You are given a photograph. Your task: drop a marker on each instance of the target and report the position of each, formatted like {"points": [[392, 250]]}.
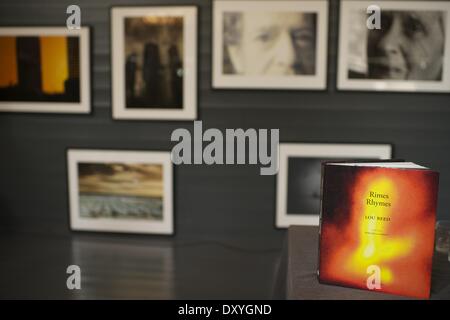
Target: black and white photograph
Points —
{"points": [[44, 69], [299, 177], [270, 44], [120, 191], [304, 184], [154, 62], [409, 52]]}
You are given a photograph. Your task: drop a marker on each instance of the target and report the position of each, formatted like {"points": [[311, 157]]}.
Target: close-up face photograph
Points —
{"points": [[220, 159], [409, 46], [405, 49], [270, 43]]}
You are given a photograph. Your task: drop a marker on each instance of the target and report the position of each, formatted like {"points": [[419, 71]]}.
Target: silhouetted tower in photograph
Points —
{"points": [[73, 49], [72, 84], [29, 64]]}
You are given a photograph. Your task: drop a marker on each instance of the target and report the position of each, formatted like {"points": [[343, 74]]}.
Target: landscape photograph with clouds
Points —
{"points": [[120, 191]]}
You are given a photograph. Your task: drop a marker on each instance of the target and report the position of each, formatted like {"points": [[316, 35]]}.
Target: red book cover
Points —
{"points": [[377, 227]]}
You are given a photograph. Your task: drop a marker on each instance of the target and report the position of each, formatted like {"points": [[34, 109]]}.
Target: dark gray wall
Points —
{"points": [[216, 201]]}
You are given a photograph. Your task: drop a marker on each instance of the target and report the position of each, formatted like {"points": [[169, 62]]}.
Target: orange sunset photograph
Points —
{"points": [[120, 191], [40, 68]]}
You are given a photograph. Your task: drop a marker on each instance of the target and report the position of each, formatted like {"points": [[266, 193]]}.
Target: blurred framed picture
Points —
{"points": [[120, 191], [154, 62], [299, 176], [44, 69], [409, 52], [270, 44]]}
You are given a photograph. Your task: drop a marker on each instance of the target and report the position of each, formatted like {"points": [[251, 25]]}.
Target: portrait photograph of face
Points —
{"points": [[269, 43], [409, 48], [277, 44]]}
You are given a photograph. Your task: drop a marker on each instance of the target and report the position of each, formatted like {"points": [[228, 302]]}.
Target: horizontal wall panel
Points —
{"points": [[210, 201]]}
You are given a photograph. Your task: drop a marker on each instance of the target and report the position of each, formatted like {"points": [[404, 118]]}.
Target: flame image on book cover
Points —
{"points": [[380, 217]]}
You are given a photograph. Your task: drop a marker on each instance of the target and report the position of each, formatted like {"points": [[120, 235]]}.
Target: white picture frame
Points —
{"points": [[356, 48], [185, 110], [33, 77], [314, 153], [299, 79], [163, 225]]}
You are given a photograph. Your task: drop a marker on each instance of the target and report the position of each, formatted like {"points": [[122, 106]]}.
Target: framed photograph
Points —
{"points": [[154, 62], [409, 51], [44, 69], [120, 191], [270, 44], [299, 176]]}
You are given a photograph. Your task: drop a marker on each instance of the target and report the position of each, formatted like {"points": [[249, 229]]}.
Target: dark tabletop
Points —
{"points": [[297, 272], [33, 266]]}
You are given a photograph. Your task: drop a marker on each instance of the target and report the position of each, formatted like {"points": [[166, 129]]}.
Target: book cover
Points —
{"points": [[377, 228]]}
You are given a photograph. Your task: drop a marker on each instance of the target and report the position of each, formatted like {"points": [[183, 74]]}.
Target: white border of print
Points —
{"points": [[307, 82], [75, 156], [189, 110], [84, 106], [343, 83], [317, 150]]}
